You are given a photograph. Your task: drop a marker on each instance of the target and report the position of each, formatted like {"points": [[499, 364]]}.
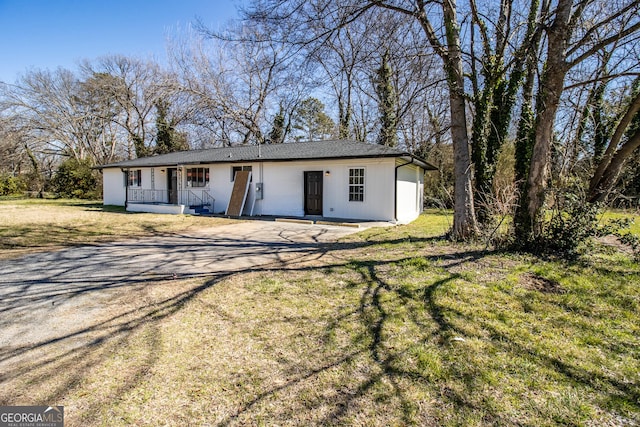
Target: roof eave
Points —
{"points": [[134, 164], [419, 162]]}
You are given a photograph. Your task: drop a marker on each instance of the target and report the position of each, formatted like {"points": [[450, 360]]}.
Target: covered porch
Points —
{"points": [[190, 201]]}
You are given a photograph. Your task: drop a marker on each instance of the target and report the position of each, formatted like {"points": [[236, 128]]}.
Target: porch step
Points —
{"points": [[200, 209]]}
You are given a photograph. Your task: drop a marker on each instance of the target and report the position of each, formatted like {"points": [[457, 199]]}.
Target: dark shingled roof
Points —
{"points": [[340, 149]]}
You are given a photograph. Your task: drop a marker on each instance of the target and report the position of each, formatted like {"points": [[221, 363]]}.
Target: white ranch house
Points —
{"points": [[330, 179]]}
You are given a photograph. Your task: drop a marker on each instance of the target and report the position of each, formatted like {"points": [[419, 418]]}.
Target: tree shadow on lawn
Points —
{"points": [[99, 293], [465, 384], [64, 363], [454, 383], [469, 393], [378, 312], [387, 361]]}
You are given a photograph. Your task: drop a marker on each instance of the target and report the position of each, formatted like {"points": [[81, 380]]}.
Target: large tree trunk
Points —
{"points": [[551, 86], [547, 107], [525, 137], [464, 219]]}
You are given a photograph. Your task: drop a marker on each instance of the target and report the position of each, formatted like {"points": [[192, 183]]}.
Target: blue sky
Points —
{"points": [[46, 34]]}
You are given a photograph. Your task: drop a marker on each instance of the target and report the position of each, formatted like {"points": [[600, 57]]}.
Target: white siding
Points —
{"points": [[283, 188], [410, 190], [113, 187], [378, 190], [284, 193], [160, 179]]}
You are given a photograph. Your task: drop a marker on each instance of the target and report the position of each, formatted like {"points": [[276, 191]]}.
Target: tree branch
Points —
{"points": [[600, 24], [621, 128], [602, 79], [602, 44], [421, 15]]}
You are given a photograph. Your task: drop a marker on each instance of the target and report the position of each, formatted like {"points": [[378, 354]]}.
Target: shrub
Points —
{"points": [[573, 222], [75, 179], [569, 228], [11, 185], [568, 225]]}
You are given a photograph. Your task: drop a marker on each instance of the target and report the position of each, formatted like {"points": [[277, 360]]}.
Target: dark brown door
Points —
{"points": [[172, 185], [313, 193]]}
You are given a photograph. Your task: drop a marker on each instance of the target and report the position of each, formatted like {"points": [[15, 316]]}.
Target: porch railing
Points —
{"points": [[208, 200], [195, 198], [190, 198], [139, 195]]}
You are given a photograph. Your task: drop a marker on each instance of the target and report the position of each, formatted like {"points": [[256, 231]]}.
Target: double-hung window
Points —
{"points": [[135, 178], [197, 177], [356, 184]]}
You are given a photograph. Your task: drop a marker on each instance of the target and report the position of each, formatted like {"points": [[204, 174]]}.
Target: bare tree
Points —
{"points": [[13, 157], [416, 82], [135, 87], [341, 54], [238, 81], [444, 39], [57, 112]]}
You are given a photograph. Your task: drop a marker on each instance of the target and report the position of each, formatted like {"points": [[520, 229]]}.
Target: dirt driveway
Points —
{"points": [[71, 296]]}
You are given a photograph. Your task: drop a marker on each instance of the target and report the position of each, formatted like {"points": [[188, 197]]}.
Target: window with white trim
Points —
{"points": [[135, 178], [356, 184], [197, 177]]}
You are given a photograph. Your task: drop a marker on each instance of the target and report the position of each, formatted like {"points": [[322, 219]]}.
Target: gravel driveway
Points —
{"points": [[58, 296]]}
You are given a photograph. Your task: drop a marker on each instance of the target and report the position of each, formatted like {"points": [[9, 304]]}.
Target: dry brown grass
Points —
{"points": [[35, 225]]}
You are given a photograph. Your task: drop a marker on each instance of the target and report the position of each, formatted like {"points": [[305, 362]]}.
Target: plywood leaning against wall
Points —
{"points": [[239, 193]]}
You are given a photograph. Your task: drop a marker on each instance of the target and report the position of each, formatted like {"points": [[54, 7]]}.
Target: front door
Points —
{"points": [[172, 185], [313, 193]]}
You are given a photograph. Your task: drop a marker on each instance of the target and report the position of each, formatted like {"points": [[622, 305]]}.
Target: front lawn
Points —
{"points": [[28, 225], [388, 327]]}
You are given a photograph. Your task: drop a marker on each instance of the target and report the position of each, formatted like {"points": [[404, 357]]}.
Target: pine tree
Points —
{"points": [[312, 121], [387, 101], [276, 136], [167, 139]]}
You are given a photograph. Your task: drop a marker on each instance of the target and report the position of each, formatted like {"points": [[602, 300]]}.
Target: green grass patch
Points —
{"points": [[618, 215]]}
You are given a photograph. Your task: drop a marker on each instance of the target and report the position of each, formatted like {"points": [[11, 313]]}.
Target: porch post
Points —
{"points": [[126, 187], [179, 186]]}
